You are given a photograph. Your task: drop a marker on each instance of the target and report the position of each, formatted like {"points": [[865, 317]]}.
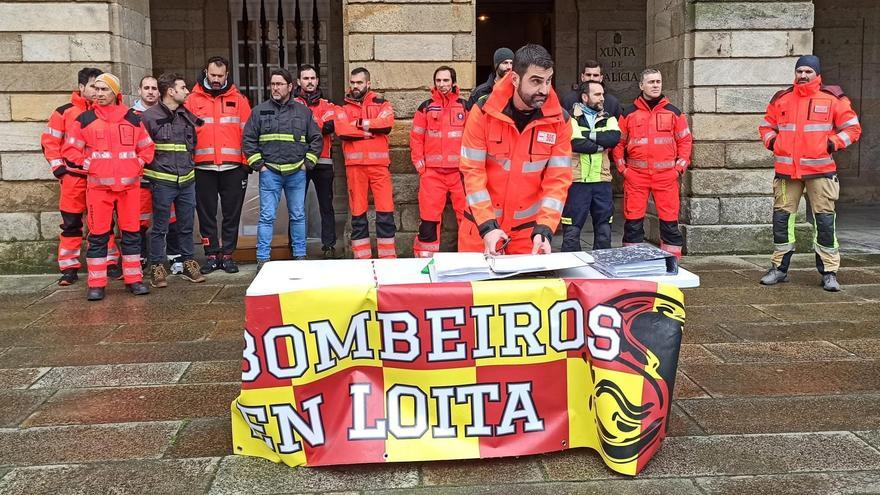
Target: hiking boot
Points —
{"points": [[138, 288], [830, 283], [95, 293], [260, 265], [192, 272], [177, 266], [330, 253], [774, 276], [212, 263], [68, 277], [159, 276], [114, 272], [229, 265], [299, 258]]}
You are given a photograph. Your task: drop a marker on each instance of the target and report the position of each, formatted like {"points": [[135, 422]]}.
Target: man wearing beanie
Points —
{"points": [[502, 62], [111, 145], [803, 126], [221, 169], [72, 200]]}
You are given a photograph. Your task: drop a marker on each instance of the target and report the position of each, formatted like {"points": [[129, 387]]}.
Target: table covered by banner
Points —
{"points": [[365, 361]]}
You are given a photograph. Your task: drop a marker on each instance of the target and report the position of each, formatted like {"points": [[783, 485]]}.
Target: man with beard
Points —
{"points": [[220, 164], [516, 161], [110, 143], [72, 200], [803, 126], [363, 124], [502, 62], [148, 93], [172, 177], [308, 92], [653, 153], [282, 141], [592, 71], [435, 145], [594, 134]]}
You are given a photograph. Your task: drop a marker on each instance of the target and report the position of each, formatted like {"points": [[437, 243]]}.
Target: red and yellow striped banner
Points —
{"points": [[462, 370]]}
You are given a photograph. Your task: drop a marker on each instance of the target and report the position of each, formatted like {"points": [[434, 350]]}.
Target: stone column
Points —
{"points": [[722, 61], [42, 46], [401, 42]]}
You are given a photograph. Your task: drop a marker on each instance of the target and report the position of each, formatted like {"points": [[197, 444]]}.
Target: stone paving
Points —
{"points": [[779, 393]]}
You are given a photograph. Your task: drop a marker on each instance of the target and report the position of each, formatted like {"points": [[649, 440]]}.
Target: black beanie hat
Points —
{"points": [[501, 55], [811, 61]]}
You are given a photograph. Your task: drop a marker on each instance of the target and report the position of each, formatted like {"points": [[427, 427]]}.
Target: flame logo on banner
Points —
{"points": [[633, 429]]}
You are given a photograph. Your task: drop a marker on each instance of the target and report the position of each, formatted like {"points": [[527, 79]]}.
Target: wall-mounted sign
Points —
{"points": [[622, 55]]}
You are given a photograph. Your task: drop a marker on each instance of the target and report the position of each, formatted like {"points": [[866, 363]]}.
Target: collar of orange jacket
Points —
{"points": [[809, 88], [502, 92]]}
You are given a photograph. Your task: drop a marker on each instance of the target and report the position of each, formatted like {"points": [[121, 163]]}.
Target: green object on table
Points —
{"points": [[427, 269]]}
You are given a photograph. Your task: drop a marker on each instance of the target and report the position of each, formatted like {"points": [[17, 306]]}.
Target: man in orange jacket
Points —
{"points": [[653, 153], [363, 124], [221, 168], [516, 161], [111, 145], [72, 200], [803, 126], [435, 145], [308, 92]]}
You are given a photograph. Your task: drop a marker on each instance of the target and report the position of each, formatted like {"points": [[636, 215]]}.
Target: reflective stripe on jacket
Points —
{"points": [[800, 123], [111, 145], [282, 136], [653, 139], [174, 134], [437, 129], [516, 180], [323, 112], [591, 146], [363, 126], [52, 139], [224, 114]]}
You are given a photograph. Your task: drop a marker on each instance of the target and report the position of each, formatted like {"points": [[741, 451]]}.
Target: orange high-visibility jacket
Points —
{"points": [[804, 124], [224, 114], [516, 180], [111, 145], [653, 139], [323, 112], [363, 127], [437, 129], [53, 137]]}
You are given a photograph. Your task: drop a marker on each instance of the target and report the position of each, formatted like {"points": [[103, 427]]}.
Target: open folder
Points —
{"points": [[459, 267]]}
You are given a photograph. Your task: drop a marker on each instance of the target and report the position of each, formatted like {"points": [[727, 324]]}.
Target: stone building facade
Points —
{"points": [[721, 60]]}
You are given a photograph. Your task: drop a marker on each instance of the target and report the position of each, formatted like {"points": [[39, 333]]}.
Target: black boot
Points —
{"points": [[95, 293], [138, 288]]}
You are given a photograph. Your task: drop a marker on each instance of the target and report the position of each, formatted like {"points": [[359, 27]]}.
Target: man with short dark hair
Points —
{"points": [[803, 126], [516, 161], [592, 71], [308, 92], [72, 200], [502, 62], [594, 134], [653, 153], [282, 141], [172, 177], [221, 168], [363, 124], [148, 94], [110, 143], [435, 145]]}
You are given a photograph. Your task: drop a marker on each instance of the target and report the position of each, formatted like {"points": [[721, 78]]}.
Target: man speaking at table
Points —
{"points": [[516, 161]]}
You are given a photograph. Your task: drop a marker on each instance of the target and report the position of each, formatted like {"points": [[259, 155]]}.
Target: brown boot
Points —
{"points": [[159, 276], [192, 272]]}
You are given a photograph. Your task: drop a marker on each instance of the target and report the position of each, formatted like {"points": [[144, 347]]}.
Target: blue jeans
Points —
{"points": [[294, 186], [184, 200]]}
